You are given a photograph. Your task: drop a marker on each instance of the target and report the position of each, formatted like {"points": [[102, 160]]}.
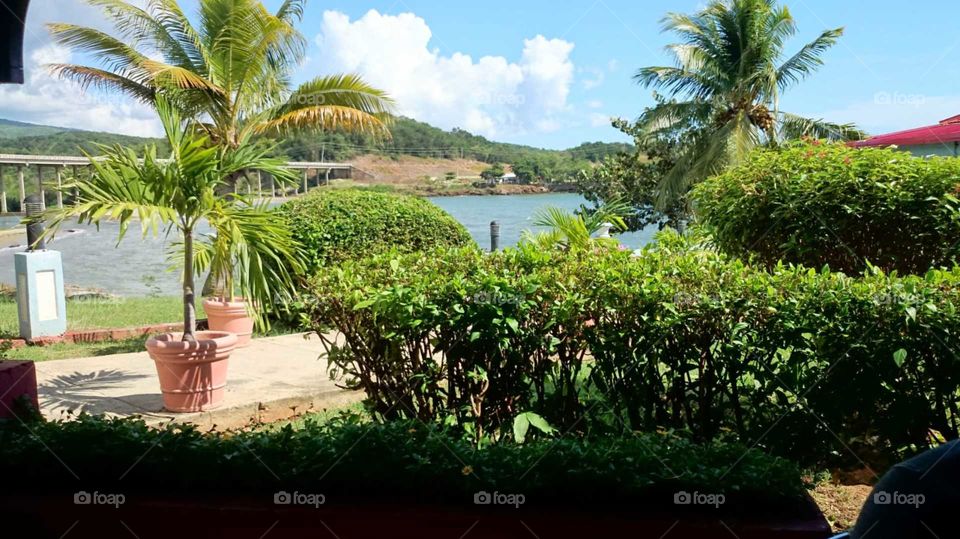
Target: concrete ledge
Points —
{"points": [[251, 414]]}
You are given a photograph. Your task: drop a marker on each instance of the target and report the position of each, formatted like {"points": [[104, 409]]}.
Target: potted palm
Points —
{"points": [[248, 276], [181, 194]]}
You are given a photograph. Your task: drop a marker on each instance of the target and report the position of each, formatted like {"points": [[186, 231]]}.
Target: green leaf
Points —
{"points": [[899, 357], [363, 304], [520, 426]]}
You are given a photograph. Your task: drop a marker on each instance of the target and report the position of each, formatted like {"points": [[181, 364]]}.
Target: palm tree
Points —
{"points": [[728, 74], [573, 231], [231, 71], [181, 193]]}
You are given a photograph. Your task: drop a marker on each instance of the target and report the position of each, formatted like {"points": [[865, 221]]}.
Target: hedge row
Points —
{"points": [[348, 461], [821, 204], [813, 365], [341, 224]]}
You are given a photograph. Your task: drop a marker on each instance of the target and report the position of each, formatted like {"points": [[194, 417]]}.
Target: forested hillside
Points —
{"points": [[410, 138]]}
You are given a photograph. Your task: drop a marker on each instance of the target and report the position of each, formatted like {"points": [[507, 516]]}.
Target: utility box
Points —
{"points": [[41, 303]]}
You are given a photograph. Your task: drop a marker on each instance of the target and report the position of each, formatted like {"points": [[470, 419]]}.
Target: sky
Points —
{"points": [[547, 73]]}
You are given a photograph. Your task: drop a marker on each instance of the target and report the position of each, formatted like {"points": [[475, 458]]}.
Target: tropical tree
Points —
{"points": [[231, 71], [574, 231], [729, 72], [180, 193]]}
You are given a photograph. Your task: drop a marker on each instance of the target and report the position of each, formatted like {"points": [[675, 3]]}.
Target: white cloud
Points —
{"points": [[46, 99], [595, 104], [595, 79], [489, 95], [613, 65]]}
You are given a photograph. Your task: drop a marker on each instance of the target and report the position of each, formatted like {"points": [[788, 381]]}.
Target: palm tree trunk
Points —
{"points": [[189, 300]]}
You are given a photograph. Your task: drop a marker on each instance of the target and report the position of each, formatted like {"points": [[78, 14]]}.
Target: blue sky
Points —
{"points": [[550, 73]]}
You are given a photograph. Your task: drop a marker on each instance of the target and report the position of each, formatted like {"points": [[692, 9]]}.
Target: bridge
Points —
{"points": [[57, 165]]}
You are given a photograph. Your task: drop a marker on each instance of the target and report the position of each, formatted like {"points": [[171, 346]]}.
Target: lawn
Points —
{"points": [[104, 313], [72, 350]]}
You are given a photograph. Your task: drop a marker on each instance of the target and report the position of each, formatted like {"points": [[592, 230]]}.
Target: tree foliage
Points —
{"points": [[729, 71], [229, 68]]}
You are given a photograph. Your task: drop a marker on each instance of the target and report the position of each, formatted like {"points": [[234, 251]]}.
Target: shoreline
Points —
{"points": [[422, 190]]}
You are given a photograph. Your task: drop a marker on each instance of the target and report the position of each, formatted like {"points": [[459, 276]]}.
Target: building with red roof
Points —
{"points": [[940, 139]]}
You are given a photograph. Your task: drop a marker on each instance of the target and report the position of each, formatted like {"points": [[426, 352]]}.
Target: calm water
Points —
{"points": [[138, 267]]}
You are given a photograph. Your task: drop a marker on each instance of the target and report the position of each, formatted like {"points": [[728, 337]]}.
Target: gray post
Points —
{"points": [[259, 184], [23, 189], [60, 188], [34, 208], [305, 186], [43, 198], [3, 193], [76, 178], [326, 178], [494, 236]]}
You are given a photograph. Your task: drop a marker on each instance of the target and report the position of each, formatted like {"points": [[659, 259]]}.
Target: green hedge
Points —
{"points": [[828, 204], [350, 461], [340, 224], [809, 364]]}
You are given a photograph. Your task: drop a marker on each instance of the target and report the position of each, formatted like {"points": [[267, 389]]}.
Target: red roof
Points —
{"points": [[946, 132]]}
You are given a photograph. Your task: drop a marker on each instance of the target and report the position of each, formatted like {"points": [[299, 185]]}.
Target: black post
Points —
{"points": [[33, 207], [494, 236]]}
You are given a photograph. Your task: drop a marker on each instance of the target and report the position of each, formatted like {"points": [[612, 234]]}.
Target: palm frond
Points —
{"points": [[793, 126], [807, 59]]}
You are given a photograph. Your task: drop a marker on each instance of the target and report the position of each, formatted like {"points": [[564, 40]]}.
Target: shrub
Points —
{"points": [[340, 224], [806, 363], [346, 461], [828, 204]]}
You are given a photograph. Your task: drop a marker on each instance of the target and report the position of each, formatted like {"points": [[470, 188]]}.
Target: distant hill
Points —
{"points": [[11, 129], [410, 138], [73, 142]]}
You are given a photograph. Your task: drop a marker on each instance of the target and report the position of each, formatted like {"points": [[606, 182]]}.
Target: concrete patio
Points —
{"points": [[274, 378]]}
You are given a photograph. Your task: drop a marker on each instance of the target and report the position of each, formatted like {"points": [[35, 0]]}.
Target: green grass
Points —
{"points": [[299, 422], [69, 350], [104, 313]]}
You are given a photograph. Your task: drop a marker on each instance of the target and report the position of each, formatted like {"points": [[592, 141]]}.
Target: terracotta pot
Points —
{"points": [[193, 375], [231, 316]]}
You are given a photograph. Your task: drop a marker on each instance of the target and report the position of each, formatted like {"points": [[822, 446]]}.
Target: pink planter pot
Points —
{"points": [[230, 316], [193, 375], [18, 379]]}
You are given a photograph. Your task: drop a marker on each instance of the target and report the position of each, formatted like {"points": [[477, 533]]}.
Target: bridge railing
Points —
{"points": [[61, 163]]}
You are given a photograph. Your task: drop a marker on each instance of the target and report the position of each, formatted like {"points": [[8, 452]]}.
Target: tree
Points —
{"points": [[180, 193], [725, 85], [573, 231], [634, 178], [492, 173], [231, 72]]}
